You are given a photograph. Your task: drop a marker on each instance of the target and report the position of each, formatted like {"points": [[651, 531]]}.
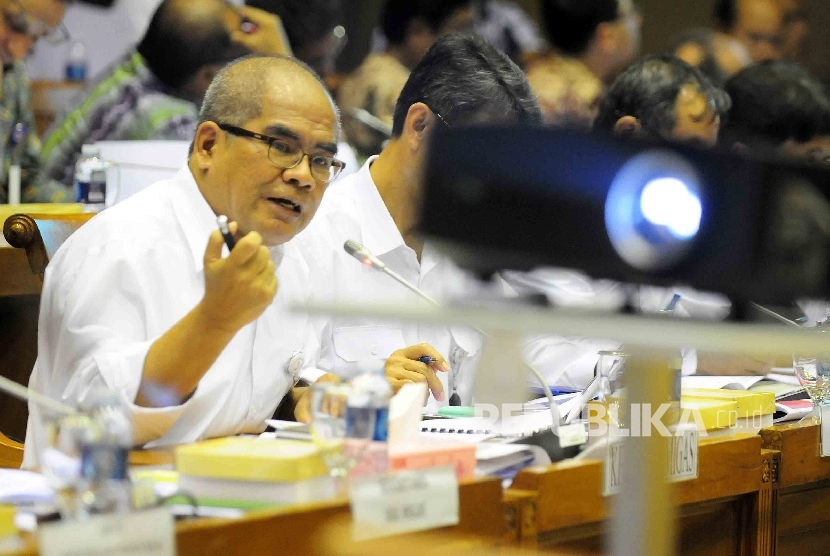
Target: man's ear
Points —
{"points": [[628, 126], [204, 144], [418, 119]]}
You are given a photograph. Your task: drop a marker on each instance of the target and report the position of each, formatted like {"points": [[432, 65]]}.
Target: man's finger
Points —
{"points": [[433, 381], [213, 251], [420, 350], [399, 373], [246, 249]]}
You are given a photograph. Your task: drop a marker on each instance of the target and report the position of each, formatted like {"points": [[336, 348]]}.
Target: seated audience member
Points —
{"points": [[509, 28], [778, 105], [145, 301], [313, 28], [664, 97], [757, 24], [154, 92], [717, 55], [410, 29], [594, 40], [796, 28], [462, 80], [22, 24]]}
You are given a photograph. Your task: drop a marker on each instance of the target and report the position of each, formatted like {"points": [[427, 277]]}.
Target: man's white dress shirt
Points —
{"points": [[123, 280]]}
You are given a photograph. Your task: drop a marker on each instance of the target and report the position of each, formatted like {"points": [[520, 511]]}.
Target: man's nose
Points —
{"points": [[300, 175]]}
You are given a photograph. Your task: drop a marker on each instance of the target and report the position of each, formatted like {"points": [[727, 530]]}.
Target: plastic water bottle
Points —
{"points": [[367, 412], [76, 63], [91, 179], [104, 486]]}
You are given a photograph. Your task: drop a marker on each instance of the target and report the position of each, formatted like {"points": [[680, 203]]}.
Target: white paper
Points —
{"points": [[21, 487], [148, 533], [572, 435], [385, 505], [405, 409]]}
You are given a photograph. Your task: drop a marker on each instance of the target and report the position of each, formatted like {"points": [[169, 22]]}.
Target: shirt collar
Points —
{"points": [[197, 220], [380, 234]]}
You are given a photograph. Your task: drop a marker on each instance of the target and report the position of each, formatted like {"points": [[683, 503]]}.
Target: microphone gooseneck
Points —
{"points": [[363, 255]]}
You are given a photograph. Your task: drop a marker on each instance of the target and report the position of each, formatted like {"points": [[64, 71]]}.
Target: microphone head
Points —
{"points": [[362, 254]]}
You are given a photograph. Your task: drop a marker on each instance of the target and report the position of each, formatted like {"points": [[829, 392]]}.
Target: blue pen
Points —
{"points": [[427, 360]]}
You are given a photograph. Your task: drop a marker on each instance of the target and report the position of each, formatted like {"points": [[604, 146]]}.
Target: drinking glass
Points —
{"points": [[60, 458], [328, 431], [610, 370], [814, 375]]}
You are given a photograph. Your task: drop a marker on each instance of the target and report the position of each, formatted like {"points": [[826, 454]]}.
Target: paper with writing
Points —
{"points": [[402, 502], [147, 533]]}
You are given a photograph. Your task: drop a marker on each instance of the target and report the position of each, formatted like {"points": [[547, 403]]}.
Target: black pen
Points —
{"points": [[222, 221]]}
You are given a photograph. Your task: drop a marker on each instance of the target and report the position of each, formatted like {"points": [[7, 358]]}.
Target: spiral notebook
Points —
{"points": [[525, 424]]}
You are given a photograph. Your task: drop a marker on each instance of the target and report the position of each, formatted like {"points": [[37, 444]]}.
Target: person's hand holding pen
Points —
{"points": [[408, 365], [261, 32], [240, 287]]}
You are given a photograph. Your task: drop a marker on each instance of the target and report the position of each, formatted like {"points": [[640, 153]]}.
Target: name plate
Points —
{"points": [[824, 439], [402, 502], [146, 533], [681, 463]]}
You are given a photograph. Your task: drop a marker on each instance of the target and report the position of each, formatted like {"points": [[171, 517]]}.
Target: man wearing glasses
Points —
{"points": [[23, 23], [146, 299]]}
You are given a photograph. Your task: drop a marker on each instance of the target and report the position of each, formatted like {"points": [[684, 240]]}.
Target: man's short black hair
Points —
{"points": [[397, 15], [571, 24], [305, 21], [466, 80], [648, 90], [774, 101], [176, 45], [725, 13]]}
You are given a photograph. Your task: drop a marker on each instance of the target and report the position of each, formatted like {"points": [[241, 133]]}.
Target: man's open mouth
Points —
{"points": [[287, 203]]}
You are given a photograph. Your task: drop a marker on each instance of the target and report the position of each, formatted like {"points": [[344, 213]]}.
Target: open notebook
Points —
{"points": [[783, 384]]}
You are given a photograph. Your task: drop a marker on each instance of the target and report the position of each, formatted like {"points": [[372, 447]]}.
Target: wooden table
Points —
{"points": [[325, 529], [728, 509], [803, 516]]}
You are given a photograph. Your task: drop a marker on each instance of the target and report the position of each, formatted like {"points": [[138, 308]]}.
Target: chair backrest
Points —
{"points": [[41, 235], [37, 238]]}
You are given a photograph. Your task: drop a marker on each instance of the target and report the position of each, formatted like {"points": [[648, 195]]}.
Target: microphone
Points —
{"points": [[363, 255], [27, 395]]}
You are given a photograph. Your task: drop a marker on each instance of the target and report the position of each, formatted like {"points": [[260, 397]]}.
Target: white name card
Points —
{"points": [[146, 533], [402, 502], [681, 463], [825, 430]]}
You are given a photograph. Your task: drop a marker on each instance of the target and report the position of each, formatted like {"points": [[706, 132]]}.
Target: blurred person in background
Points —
{"points": [[779, 106], [664, 97], [757, 24], [372, 90], [717, 55], [23, 23], [593, 41], [509, 28], [796, 28], [155, 91]]}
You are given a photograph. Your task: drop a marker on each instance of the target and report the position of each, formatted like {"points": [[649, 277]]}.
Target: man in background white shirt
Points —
{"points": [[460, 81], [196, 341]]}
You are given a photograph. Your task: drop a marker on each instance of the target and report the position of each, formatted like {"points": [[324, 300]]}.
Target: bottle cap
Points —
{"points": [[90, 150]]}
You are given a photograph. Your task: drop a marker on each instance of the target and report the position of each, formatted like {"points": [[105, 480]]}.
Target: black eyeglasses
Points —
{"points": [[22, 23], [284, 154]]}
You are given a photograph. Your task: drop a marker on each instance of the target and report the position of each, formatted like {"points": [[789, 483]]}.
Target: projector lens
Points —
{"points": [[654, 210]]}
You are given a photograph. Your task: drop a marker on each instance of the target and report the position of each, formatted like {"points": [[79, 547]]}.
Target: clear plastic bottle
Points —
{"points": [[76, 62], [367, 412], [91, 179], [105, 486]]}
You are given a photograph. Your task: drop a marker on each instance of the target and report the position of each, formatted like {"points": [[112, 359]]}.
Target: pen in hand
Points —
{"points": [[222, 221], [427, 360]]}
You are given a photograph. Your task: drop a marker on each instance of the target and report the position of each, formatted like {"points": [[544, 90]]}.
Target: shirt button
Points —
{"points": [[375, 349], [457, 356]]}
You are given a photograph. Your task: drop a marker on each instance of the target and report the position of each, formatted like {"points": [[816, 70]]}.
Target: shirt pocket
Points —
{"points": [[358, 343]]}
